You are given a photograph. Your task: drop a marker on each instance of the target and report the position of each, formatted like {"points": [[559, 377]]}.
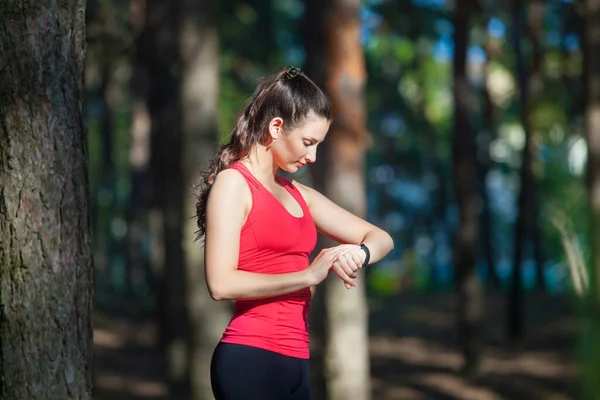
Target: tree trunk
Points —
{"points": [[314, 38], [486, 164], [199, 48], [45, 258], [470, 297], [105, 239], [530, 83], [340, 176], [591, 81], [166, 214], [139, 272], [592, 124]]}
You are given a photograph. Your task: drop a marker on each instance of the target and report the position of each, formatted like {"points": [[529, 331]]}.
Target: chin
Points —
{"points": [[291, 168]]}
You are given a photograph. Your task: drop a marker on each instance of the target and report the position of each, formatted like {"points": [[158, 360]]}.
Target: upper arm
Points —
{"points": [[334, 221], [228, 204]]}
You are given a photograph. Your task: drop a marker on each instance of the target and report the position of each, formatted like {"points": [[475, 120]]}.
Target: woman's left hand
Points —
{"points": [[349, 262]]}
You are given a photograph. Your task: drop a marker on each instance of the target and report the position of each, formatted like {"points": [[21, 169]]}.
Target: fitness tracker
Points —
{"points": [[367, 252]]}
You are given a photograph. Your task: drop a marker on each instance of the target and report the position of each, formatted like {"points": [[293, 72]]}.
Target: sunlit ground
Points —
{"points": [[414, 353]]}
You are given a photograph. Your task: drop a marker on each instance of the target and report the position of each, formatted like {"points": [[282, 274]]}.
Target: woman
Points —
{"points": [[259, 231]]}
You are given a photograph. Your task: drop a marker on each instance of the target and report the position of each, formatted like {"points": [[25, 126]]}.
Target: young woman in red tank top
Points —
{"points": [[259, 231]]}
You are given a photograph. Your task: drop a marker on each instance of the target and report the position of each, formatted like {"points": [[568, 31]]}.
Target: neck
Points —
{"points": [[260, 162]]}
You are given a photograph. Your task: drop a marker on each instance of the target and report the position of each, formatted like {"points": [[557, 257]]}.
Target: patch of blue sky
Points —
{"points": [[443, 49], [496, 28], [370, 21], [571, 42], [476, 55]]}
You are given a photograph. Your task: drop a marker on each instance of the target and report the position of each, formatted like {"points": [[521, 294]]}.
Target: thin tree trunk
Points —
{"points": [[486, 165], [536, 8], [314, 37], [139, 153], [166, 215], [470, 296], [592, 126], [591, 82], [107, 183], [199, 48], [341, 178], [45, 259], [529, 87]]}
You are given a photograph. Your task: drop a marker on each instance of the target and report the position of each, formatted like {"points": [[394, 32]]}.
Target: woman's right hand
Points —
{"points": [[323, 264]]}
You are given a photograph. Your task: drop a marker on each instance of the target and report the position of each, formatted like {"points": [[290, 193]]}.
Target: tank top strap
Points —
{"points": [[293, 190], [253, 183]]}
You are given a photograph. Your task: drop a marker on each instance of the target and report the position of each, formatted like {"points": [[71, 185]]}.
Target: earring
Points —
{"points": [[273, 141]]}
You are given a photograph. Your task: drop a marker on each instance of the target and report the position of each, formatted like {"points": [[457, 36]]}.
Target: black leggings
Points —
{"points": [[239, 372]]}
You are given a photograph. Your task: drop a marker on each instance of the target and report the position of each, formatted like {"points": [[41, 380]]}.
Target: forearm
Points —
{"points": [[243, 285], [380, 243]]}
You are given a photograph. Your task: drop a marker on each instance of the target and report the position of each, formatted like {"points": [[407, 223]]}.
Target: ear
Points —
{"points": [[276, 128]]}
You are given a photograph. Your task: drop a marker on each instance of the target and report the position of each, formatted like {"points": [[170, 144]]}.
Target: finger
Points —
{"points": [[357, 261], [335, 252], [340, 272], [351, 259], [347, 286], [343, 264], [326, 254]]}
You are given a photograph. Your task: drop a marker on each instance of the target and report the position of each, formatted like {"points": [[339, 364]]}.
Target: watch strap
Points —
{"points": [[368, 254]]}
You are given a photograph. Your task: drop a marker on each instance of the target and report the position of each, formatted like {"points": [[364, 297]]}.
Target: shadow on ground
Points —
{"points": [[414, 353]]}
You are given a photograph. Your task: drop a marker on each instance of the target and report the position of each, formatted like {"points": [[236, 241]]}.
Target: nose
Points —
{"points": [[311, 157]]}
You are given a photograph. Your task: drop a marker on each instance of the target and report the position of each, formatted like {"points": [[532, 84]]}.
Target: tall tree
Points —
{"points": [[336, 61], [162, 63], [484, 159], [45, 259], [591, 83], [199, 50], [530, 84], [591, 53], [470, 296], [139, 148]]}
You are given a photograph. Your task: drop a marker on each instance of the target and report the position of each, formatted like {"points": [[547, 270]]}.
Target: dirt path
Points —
{"points": [[414, 353]]}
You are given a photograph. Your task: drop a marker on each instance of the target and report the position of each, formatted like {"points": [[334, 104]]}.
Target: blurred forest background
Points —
{"points": [[467, 121]]}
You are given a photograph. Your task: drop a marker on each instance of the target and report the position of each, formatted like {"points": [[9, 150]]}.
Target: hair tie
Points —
{"points": [[292, 72]]}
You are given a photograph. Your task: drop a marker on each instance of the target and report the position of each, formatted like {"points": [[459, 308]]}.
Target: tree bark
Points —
{"points": [[45, 258], [339, 174], [470, 296], [199, 49]]}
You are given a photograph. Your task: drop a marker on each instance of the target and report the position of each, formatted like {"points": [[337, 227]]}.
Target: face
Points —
{"points": [[293, 149]]}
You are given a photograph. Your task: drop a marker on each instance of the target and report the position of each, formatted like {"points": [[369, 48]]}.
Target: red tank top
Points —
{"points": [[272, 241]]}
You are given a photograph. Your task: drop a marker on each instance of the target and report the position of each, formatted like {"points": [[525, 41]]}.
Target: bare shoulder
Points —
{"points": [[230, 186], [306, 191]]}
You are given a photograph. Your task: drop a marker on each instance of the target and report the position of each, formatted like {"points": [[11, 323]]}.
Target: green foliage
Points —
{"points": [[410, 111]]}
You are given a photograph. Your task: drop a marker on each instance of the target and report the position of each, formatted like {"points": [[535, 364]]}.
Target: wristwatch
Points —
{"points": [[368, 254]]}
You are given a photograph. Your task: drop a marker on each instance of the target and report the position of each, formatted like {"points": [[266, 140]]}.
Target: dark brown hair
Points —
{"points": [[288, 94]]}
